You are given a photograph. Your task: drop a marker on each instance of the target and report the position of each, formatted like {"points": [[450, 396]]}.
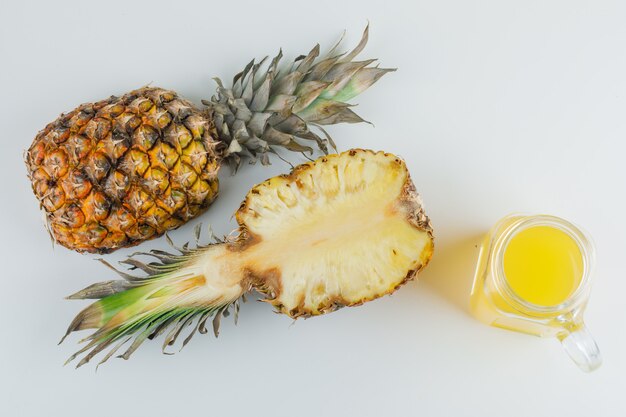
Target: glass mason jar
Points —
{"points": [[494, 302]]}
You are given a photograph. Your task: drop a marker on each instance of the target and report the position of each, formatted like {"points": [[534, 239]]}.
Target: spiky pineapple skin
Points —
{"points": [[116, 172]]}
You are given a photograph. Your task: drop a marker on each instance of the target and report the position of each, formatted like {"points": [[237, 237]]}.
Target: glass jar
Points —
{"points": [[494, 301]]}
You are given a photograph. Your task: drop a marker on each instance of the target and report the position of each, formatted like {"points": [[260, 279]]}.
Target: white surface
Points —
{"points": [[497, 107]]}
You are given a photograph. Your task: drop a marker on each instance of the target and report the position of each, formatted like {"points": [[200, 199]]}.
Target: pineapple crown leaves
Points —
{"points": [[273, 108], [131, 290]]}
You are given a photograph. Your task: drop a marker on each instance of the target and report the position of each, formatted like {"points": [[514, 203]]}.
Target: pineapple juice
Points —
{"points": [[543, 265], [533, 276]]}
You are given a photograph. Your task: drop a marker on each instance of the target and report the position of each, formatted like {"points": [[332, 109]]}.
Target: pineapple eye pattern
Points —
{"points": [[113, 153]]}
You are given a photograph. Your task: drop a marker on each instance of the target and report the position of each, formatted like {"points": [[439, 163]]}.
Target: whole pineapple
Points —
{"points": [[119, 171], [337, 232]]}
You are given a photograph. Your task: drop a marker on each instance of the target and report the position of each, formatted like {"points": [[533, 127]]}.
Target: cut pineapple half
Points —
{"points": [[336, 232], [347, 228]]}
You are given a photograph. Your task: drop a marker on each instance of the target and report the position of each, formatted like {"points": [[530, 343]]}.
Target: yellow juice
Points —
{"points": [[527, 270], [543, 265]]}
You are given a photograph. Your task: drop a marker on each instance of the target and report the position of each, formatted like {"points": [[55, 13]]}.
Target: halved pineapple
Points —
{"points": [[336, 232]]}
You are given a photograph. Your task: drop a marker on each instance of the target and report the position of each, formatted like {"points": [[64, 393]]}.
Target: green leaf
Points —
{"points": [[357, 50], [261, 95], [320, 109], [307, 92], [360, 82], [340, 75], [287, 84], [346, 115], [281, 103]]}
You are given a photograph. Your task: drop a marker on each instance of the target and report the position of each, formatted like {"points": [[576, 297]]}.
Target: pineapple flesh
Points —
{"points": [[336, 232], [114, 173]]}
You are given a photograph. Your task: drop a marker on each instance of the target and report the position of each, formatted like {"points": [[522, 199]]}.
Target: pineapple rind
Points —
{"points": [[119, 171]]}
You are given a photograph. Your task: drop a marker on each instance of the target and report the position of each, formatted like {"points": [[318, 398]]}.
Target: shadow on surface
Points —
{"points": [[451, 271]]}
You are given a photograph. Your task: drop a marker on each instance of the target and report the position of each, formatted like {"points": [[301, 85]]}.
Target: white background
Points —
{"points": [[497, 107]]}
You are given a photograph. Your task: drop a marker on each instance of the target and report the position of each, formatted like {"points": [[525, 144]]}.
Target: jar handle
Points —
{"points": [[580, 346]]}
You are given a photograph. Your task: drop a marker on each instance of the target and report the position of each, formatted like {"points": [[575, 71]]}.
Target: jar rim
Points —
{"points": [[523, 222]]}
